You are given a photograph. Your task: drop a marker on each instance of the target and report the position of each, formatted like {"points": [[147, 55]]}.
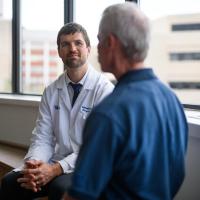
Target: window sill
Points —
{"points": [[193, 116], [193, 119], [22, 100]]}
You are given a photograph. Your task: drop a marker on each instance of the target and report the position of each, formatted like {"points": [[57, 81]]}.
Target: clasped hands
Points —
{"points": [[35, 175]]}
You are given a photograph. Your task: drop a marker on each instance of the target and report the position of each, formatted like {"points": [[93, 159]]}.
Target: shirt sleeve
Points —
{"points": [[96, 158], [68, 163]]}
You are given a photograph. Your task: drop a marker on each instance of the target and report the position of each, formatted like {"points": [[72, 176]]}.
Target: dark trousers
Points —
{"points": [[11, 189]]}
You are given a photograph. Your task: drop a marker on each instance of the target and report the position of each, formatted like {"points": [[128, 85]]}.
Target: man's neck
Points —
{"points": [[125, 67], [76, 74]]}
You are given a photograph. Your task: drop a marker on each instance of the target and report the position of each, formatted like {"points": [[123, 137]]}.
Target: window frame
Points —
{"points": [[16, 37]]}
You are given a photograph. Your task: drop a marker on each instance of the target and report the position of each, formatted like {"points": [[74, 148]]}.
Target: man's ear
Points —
{"points": [[89, 49], [112, 41]]}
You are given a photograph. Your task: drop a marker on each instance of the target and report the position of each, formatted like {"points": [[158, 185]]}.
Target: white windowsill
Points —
{"points": [[193, 119], [22, 100], [193, 116]]}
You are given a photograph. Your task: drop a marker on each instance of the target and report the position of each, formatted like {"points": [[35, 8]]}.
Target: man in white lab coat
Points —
{"points": [[63, 110]]}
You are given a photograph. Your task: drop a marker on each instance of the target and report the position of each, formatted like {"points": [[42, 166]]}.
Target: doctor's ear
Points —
{"points": [[89, 49]]}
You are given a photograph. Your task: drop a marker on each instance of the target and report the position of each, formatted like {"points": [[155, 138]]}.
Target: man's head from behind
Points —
{"points": [[130, 26]]}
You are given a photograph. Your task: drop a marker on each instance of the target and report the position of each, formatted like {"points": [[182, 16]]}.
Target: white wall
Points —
{"points": [[17, 120]]}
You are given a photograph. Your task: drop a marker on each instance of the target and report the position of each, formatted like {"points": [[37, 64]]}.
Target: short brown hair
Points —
{"points": [[71, 28]]}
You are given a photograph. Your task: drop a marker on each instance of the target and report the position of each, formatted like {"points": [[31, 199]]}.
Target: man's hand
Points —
{"points": [[37, 174], [28, 180]]}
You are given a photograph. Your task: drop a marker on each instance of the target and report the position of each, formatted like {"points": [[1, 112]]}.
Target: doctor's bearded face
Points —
{"points": [[73, 50]]}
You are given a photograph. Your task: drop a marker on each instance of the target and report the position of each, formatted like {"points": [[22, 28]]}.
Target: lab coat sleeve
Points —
{"points": [[68, 163], [42, 140]]}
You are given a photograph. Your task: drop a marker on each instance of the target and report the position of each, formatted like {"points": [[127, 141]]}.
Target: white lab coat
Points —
{"points": [[58, 132]]}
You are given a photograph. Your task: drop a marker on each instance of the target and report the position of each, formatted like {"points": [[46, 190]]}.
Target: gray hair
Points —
{"points": [[127, 22]]}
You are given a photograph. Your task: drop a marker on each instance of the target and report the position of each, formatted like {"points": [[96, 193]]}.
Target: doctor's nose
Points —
{"points": [[72, 47]]}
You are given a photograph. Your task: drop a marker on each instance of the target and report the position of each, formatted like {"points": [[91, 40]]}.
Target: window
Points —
{"points": [[31, 63], [186, 27], [40, 64], [28, 52], [5, 45], [89, 17], [185, 56], [184, 85], [175, 45]]}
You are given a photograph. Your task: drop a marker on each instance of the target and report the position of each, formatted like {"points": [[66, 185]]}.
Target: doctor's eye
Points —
{"points": [[64, 44], [79, 43]]}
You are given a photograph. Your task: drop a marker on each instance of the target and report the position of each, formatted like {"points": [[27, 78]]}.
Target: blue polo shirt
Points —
{"points": [[134, 143]]}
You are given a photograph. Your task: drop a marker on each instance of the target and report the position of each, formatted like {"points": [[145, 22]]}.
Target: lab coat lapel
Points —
{"points": [[83, 96], [65, 98], [64, 95], [77, 107], [91, 76]]}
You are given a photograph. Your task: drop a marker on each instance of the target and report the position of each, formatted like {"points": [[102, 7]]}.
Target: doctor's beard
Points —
{"points": [[71, 63]]}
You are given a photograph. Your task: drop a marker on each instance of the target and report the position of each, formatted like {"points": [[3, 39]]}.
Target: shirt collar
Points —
{"points": [[82, 81], [90, 77], [137, 75]]}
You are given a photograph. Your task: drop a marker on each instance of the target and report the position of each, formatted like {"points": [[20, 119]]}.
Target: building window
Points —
{"points": [[186, 27], [185, 85], [90, 17], [175, 45], [184, 56], [40, 63], [5, 45]]}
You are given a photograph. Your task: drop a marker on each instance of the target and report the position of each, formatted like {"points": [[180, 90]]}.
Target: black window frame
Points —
{"points": [[16, 56], [16, 36]]}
